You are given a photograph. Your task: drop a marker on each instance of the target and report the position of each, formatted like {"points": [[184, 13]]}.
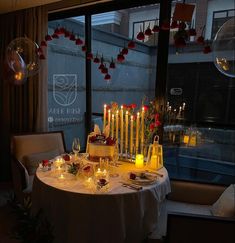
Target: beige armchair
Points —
{"points": [[27, 149]]}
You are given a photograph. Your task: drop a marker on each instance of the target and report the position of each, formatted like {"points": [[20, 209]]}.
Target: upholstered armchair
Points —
{"points": [[27, 151]]}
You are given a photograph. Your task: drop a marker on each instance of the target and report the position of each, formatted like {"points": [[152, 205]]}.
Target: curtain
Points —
{"points": [[22, 108]]}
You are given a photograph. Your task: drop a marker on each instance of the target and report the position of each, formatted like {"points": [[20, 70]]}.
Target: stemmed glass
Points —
{"points": [[76, 146]]}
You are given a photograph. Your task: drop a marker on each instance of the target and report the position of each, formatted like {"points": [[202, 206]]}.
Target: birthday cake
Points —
{"points": [[100, 147]]}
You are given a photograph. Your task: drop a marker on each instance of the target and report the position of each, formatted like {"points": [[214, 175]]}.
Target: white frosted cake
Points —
{"points": [[97, 151], [100, 147]]}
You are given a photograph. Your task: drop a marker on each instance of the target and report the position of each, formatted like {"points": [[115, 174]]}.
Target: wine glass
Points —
{"points": [[76, 146]]}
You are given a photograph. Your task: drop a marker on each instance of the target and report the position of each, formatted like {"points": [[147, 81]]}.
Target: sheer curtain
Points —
{"points": [[22, 108]]}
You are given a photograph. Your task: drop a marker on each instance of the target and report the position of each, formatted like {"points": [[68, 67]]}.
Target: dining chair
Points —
{"points": [[27, 150]]}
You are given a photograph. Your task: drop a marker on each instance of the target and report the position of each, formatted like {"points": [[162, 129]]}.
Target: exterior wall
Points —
{"points": [[216, 5]]}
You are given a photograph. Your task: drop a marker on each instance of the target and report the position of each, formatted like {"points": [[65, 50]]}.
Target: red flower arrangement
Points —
{"points": [[151, 120]]}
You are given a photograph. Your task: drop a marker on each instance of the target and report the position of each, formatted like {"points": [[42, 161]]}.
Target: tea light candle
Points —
{"points": [[61, 177], [139, 161]]}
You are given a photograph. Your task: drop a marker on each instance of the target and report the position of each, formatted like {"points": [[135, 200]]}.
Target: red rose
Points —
{"points": [[151, 127], [66, 157], [146, 107], [156, 116], [157, 123], [120, 57], [132, 176], [131, 44], [124, 51], [140, 36], [148, 32], [87, 168], [45, 162], [155, 28], [133, 106]]}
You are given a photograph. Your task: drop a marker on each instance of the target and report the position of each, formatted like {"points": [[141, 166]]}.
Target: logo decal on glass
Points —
{"points": [[65, 88]]}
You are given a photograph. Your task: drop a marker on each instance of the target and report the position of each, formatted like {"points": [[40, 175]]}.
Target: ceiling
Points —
{"points": [[13, 5]]}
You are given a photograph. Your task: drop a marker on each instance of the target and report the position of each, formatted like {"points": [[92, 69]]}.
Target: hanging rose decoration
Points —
{"points": [[155, 28], [140, 36], [107, 77], [72, 37], [131, 44], [84, 49], [96, 59], [124, 51], [112, 64], [120, 57], [89, 56], [104, 70], [48, 38], [55, 36], [78, 42], [148, 31]]}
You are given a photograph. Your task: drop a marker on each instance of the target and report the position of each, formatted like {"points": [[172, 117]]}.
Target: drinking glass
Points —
{"points": [[76, 146]]}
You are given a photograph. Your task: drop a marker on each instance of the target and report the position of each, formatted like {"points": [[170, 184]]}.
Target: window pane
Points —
{"points": [[199, 141], [66, 80]]}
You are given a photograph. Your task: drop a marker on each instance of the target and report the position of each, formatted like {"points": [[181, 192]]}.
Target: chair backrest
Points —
{"points": [[187, 228], [25, 144], [28, 144]]}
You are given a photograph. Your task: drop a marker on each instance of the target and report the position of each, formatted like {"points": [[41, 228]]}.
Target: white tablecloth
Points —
{"points": [[81, 216]]}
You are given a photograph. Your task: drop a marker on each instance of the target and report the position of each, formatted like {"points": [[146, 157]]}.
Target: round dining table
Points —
{"points": [[79, 214]]}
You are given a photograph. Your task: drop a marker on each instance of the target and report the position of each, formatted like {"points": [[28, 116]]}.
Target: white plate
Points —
{"points": [[143, 178]]}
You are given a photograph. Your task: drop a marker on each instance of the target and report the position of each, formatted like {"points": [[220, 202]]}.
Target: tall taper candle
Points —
{"points": [[142, 130], [121, 130], [104, 120], [126, 131], [109, 118], [112, 133], [131, 136], [137, 132], [117, 125]]}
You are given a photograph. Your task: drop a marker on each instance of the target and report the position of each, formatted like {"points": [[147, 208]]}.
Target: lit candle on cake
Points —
{"points": [[137, 132], [112, 133], [126, 130], [104, 120], [142, 130], [121, 129], [109, 118], [131, 136], [117, 121]]}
